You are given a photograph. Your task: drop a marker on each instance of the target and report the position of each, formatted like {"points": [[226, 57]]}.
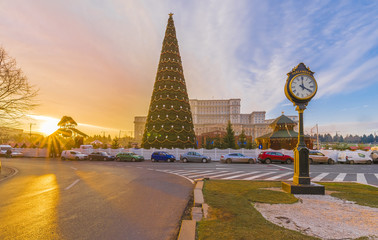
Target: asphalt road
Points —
{"points": [[54, 199], [361, 173]]}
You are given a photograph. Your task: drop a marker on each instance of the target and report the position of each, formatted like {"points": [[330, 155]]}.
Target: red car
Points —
{"points": [[269, 157]]}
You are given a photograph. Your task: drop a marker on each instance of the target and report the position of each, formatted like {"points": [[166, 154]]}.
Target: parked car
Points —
{"points": [[236, 157], [269, 157], [4, 149], [14, 154], [194, 157], [102, 156], [374, 156], [73, 155], [162, 156], [318, 157], [354, 157], [129, 156], [9, 152]]}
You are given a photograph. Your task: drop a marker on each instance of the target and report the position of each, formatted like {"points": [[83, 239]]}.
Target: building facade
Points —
{"points": [[282, 135], [213, 115], [139, 124]]}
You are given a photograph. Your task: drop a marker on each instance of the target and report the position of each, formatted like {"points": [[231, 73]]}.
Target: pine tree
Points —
{"points": [[169, 120], [229, 138], [115, 144], [242, 139], [249, 143]]}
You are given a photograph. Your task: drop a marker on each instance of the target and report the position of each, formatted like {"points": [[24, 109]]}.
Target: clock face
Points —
{"points": [[303, 86]]}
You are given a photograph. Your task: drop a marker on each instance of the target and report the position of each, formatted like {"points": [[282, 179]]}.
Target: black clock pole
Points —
{"points": [[301, 163]]}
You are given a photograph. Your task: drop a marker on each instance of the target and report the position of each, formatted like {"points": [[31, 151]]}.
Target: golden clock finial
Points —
{"points": [[170, 14], [283, 112]]}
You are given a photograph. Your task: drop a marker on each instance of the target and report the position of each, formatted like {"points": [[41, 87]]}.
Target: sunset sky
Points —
{"points": [[96, 61]]}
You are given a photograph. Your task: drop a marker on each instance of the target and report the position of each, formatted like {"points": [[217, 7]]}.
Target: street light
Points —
{"points": [[30, 124]]}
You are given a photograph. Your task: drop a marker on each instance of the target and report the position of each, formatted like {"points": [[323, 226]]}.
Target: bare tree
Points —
{"points": [[17, 96]]}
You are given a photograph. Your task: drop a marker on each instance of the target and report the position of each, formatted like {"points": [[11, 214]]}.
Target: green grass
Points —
{"points": [[232, 215], [361, 194]]}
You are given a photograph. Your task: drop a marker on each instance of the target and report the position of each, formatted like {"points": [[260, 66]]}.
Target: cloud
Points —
{"points": [[98, 60]]}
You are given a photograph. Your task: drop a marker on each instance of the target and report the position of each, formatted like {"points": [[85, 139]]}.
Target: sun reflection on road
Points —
{"points": [[32, 215]]}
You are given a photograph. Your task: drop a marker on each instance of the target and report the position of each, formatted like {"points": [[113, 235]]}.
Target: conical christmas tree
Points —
{"points": [[169, 122]]}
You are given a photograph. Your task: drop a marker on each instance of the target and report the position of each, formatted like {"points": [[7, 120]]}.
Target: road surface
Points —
{"points": [[54, 199]]}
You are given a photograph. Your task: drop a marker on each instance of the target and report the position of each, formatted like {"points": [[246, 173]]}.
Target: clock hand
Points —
{"points": [[307, 89]]}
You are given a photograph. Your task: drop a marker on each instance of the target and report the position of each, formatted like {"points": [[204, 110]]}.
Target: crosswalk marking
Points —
{"points": [[340, 177], [279, 176], [361, 178], [240, 175], [319, 177], [224, 174], [183, 171], [257, 176], [263, 175], [209, 174], [196, 173]]}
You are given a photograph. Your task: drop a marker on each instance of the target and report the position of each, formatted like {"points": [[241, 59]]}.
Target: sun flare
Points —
{"points": [[46, 125]]}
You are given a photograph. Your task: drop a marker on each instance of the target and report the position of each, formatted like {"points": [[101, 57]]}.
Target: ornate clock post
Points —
{"points": [[300, 88]]}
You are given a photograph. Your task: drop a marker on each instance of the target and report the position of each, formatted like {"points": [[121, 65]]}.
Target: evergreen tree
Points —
{"points": [[169, 121], [249, 143], [209, 143], [229, 138], [218, 142], [370, 138], [242, 139], [115, 144], [364, 139]]}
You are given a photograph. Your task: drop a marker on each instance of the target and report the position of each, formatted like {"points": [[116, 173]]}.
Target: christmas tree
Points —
{"points": [[169, 122]]}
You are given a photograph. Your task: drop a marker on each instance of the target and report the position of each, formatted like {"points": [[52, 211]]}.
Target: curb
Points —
{"points": [[199, 210]]}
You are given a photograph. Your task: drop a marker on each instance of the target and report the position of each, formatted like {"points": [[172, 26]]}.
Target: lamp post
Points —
{"points": [[30, 127]]}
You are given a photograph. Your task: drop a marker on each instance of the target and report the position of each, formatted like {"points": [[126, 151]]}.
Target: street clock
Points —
{"points": [[301, 86]]}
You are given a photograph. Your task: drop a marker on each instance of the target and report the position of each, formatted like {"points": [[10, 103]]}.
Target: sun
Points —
{"points": [[46, 125]]}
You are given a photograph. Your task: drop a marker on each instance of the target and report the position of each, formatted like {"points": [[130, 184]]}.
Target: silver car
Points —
{"points": [[374, 156], [194, 157], [236, 157]]}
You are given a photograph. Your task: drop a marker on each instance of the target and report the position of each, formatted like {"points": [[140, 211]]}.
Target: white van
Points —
{"points": [[4, 148], [354, 157], [74, 155], [83, 147]]}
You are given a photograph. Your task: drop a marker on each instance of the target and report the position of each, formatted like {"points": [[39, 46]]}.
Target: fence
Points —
{"points": [[215, 154]]}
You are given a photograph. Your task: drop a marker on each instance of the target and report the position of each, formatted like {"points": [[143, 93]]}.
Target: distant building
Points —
{"points": [[212, 116], [282, 135], [139, 124]]}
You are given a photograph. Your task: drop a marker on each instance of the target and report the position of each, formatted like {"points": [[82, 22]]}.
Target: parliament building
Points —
{"points": [[210, 117]]}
